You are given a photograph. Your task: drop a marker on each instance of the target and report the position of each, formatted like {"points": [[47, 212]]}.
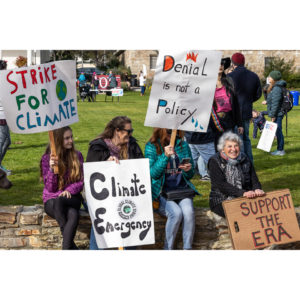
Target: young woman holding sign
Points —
{"points": [[61, 194], [114, 143], [172, 192]]}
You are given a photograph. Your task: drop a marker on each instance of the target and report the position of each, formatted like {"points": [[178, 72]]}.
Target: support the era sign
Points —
{"points": [[262, 221], [120, 203]]}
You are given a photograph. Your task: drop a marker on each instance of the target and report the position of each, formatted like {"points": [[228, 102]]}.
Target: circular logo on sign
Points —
{"points": [[61, 90], [127, 209]]}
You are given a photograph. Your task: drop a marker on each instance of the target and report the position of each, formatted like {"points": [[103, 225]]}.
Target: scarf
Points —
{"points": [[233, 172], [113, 149]]}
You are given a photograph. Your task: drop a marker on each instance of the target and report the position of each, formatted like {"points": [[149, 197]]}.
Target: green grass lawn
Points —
{"points": [[25, 152]]}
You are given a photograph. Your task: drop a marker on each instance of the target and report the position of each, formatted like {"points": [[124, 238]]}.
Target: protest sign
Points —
{"points": [[117, 92], [120, 202], [183, 90], [267, 136], [104, 83], [262, 221], [40, 97]]}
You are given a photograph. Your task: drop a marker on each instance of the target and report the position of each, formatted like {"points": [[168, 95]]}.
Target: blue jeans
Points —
{"points": [[246, 147], [279, 134], [4, 141], [175, 212], [201, 153]]}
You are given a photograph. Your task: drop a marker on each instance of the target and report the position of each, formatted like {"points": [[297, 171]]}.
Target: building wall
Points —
{"points": [[34, 57], [136, 58], [255, 59]]}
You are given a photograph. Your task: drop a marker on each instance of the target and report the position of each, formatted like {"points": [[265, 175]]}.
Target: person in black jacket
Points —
{"points": [[226, 110], [232, 174], [248, 90], [114, 143]]}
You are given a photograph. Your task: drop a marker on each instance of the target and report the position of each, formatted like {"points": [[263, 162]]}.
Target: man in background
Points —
{"points": [[248, 90]]}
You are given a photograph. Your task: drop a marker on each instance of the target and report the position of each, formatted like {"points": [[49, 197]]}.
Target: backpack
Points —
{"points": [[287, 102]]}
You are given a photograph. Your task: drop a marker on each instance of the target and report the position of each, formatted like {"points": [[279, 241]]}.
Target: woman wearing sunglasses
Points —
{"points": [[114, 143], [171, 169]]}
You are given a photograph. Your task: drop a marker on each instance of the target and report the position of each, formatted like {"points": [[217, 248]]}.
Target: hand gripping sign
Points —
{"points": [[183, 90], [262, 221], [39, 98], [120, 203]]}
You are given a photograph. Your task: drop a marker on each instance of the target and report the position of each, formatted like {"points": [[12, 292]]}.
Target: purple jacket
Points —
{"points": [[51, 180]]}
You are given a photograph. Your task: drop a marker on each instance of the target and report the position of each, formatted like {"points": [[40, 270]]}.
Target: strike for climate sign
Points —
{"points": [[120, 202], [40, 97], [183, 90]]}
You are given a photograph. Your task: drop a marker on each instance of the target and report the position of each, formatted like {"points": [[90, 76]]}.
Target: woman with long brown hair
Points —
{"points": [[61, 194], [114, 143], [171, 169]]}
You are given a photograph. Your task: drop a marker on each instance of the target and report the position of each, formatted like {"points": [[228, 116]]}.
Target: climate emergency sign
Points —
{"points": [[120, 202], [263, 221], [39, 98], [183, 90]]}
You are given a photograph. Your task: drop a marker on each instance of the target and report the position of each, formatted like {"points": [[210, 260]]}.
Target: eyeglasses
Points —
{"points": [[129, 131]]}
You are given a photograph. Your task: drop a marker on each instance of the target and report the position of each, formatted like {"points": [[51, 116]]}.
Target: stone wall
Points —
{"points": [[136, 58], [29, 227], [255, 59]]}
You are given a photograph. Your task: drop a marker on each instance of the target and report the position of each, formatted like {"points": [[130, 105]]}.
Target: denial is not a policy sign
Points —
{"points": [[183, 90]]}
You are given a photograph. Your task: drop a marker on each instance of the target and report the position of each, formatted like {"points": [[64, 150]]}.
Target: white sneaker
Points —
{"points": [[8, 172], [278, 153]]}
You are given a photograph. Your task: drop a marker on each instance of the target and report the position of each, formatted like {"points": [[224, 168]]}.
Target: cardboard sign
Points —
{"points": [[40, 97], [117, 92], [267, 136], [104, 83], [120, 202], [262, 221], [183, 90]]}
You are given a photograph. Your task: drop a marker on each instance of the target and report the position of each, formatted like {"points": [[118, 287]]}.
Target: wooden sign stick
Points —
{"points": [[173, 137], [53, 149], [121, 248]]}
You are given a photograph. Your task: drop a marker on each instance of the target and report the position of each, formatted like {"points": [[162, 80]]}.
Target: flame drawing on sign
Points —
{"points": [[192, 56]]}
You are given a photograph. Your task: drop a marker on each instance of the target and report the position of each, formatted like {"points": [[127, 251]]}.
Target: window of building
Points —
{"points": [[268, 61], [153, 59]]}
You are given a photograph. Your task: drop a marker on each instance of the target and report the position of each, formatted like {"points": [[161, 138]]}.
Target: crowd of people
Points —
{"points": [[222, 155]]}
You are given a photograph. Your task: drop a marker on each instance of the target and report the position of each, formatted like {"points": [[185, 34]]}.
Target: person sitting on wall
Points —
{"points": [[171, 169], [232, 174], [62, 192], [113, 144]]}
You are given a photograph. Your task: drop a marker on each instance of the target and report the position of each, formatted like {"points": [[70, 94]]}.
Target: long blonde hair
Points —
{"points": [[67, 159]]}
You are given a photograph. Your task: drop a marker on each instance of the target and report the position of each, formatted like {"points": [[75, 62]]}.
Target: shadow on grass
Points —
{"points": [[279, 184]]}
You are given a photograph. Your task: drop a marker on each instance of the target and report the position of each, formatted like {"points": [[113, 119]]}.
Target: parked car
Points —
{"points": [[88, 72]]}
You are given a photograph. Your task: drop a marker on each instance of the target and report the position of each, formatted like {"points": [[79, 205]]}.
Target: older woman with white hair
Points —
{"points": [[232, 174]]}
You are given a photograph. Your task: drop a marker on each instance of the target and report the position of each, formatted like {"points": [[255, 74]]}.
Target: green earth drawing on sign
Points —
{"points": [[61, 90], [127, 209]]}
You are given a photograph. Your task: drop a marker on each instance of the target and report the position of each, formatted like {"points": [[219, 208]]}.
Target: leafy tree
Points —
{"points": [[286, 68]]}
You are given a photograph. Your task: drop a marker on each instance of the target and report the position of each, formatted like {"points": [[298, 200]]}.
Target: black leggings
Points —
{"points": [[66, 212], [218, 209]]}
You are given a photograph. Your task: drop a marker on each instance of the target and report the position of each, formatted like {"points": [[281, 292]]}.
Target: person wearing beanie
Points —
{"points": [[248, 90], [274, 103]]}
